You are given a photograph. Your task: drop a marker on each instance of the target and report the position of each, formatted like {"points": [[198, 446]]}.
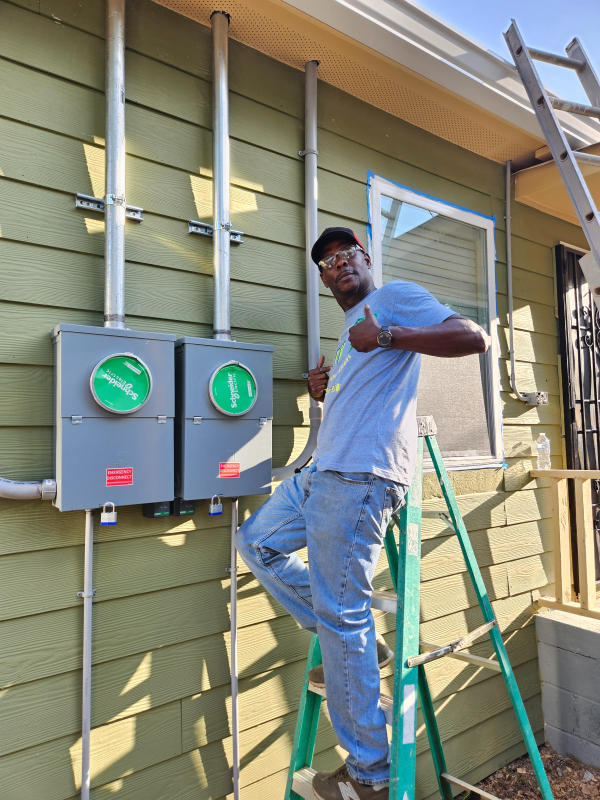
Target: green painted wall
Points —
{"points": [[160, 679]]}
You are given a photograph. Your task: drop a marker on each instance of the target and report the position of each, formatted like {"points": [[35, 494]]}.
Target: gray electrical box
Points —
{"points": [[223, 425], [114, 416]]}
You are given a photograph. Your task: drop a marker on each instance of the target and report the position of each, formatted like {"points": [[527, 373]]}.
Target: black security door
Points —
{"points": [[579, 324]]}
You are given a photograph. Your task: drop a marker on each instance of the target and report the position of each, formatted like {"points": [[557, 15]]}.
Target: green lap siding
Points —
{"points": [[161, 698]]}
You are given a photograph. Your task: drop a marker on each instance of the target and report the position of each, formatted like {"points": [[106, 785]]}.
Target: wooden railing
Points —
{"points": [[585, 602]]}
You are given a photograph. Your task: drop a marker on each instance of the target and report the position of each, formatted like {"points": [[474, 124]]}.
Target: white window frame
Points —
{"points": [[379, 186]]}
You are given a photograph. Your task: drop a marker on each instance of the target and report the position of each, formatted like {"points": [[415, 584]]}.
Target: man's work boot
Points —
{"points": [[339, 785], [384, 655]]}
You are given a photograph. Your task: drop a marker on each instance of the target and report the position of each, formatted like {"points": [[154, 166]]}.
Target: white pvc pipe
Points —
{"points": [[235, 725], [28, 490], [311, 190], [114, 239], [86, 701]]}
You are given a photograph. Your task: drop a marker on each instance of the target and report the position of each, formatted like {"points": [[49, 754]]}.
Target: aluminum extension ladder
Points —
{"points": [[409, 670], [567, 160]]}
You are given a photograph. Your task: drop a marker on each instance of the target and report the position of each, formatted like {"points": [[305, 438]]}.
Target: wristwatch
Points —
{"points": [[384, 337]]}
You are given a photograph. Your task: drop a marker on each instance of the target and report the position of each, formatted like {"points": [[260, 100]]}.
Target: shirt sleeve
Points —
{"points": [[415, 307]]}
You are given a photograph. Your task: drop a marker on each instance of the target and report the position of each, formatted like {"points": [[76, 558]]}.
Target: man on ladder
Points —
{"points": [[339, 507]]}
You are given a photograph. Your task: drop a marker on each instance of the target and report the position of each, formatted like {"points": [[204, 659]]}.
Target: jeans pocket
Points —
{"points": [[397, 497], [357, 478], [394, 500]]}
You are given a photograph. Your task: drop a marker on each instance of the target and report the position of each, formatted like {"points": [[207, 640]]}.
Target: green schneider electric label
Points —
{"points": [[232, 389], [121, 383]]}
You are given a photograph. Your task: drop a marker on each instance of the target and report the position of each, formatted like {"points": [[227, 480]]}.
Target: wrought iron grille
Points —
{"points": [[579, 323]]}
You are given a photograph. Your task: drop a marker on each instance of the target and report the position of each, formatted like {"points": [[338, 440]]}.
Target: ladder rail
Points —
{"points": [[403, 749], [305, 735], [433, 735], [587, 75], [564, 159]]}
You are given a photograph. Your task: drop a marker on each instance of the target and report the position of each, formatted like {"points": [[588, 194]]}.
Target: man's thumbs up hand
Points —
{"points": [[318, 380], [363, 336]]}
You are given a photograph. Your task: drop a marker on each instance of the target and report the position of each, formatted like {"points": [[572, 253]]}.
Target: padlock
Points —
{"points": [[216, 506], [108, 517]]}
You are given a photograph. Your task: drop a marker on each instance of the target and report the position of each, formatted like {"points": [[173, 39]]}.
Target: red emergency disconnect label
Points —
{"points": [[229, 469], [122, 476]]}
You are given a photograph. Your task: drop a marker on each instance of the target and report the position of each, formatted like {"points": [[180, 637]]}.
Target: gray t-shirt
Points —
{"points": [[370, 409]]}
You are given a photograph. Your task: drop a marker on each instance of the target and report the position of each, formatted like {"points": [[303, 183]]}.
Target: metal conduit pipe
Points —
{"points": [[235, 724], [511, 329], [219, 21], [114, 311], [86, 704], [114, 239], [310, 154]]}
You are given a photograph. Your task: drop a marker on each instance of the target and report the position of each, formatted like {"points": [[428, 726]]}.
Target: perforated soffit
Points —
{"points": [[282, 42]]}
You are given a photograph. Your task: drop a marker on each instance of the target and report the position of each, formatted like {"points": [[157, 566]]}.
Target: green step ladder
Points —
{"points": [[412, 655]]}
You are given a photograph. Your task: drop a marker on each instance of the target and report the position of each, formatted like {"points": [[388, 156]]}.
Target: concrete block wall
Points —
{"points": [[569, 658]]}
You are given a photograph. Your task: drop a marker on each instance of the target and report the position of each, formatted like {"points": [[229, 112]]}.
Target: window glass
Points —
{"points": [[447, 257]]}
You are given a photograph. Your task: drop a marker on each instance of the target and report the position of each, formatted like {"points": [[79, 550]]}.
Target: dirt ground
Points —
{"points": [[568, 779]]}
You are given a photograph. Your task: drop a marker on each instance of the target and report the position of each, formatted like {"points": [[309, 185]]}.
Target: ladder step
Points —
{"points": [[574, 108], [384, 601], [302, 783], [387, 703], [443, 515], [559, 61], [445, 650], [388, 602], [478, 661], [586, 158], [465, 785]]}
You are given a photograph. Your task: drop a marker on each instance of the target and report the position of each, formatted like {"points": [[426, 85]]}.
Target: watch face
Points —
{"points": [[384, 338]]}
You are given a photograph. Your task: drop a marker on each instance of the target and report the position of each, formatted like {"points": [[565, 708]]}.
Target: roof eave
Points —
{"points": [[416, 40]]}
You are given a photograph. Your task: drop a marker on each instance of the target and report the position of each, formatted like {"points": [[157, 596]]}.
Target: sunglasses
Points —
{"points": [[343, 255]]}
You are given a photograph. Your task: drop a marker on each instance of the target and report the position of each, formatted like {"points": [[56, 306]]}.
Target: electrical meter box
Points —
{"points": [[114, 408], [223, 424]]}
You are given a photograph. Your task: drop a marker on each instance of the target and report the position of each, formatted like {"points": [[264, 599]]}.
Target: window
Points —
{"points": [[450, 252]]}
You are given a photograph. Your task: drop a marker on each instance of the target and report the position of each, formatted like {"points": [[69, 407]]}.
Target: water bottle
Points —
{"points": [[543, 452]]}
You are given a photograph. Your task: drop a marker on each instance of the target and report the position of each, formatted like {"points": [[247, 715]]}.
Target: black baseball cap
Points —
{"points": [[330, 235]]}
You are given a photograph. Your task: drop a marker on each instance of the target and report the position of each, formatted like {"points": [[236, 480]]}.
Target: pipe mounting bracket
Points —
{"points": [[205, 229], [99, 204]]}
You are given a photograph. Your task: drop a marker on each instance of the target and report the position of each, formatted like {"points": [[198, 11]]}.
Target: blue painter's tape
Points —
{"points": [[371, 175]]}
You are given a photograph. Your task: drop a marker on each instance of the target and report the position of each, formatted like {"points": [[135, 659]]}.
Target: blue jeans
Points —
{"points": [[341, 518]]}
